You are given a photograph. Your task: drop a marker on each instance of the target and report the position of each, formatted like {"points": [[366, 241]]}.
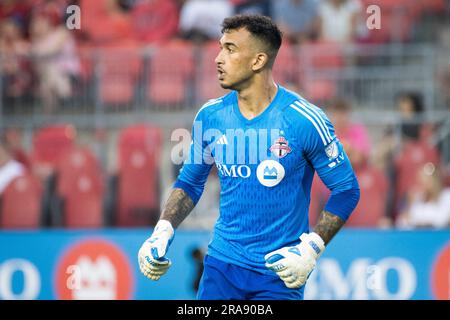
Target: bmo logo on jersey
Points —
{"points": [[270, 173], [234, 170]]}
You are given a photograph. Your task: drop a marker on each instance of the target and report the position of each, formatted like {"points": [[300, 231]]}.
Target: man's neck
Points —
{"points": [[254, 99]]}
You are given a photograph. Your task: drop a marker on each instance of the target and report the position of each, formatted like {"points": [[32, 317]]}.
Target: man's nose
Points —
{"points": [[218, 59]]}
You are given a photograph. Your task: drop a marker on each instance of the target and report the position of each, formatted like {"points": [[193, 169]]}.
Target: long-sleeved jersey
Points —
{"points": [[266, 167]]}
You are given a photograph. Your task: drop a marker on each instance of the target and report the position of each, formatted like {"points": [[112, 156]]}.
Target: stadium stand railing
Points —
{"points": [[126, 78]]}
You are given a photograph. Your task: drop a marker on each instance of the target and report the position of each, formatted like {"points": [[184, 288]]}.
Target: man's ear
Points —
{"points": [[260, 61]]}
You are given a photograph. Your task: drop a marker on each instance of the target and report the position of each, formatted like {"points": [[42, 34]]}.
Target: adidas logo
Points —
{"points": [[222, 140]]}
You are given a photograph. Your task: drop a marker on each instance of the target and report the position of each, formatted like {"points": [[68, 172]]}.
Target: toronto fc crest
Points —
{"points": [[280, 148]]}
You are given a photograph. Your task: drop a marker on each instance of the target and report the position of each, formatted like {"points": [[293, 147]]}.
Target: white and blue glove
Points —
{"points": [[151, 256], [294, 264]]}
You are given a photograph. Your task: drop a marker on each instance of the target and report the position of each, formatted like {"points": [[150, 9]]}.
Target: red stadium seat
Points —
{"points": [[372, 204], [21, 203], [138, 176], [76, 161], [82, 206], [322, 55], [119, 67], [168, 81], [284, 69], [319, 89], [207, 84], [409, 161], [395, 26], [315, 58], [50, 142], [79, 183]]}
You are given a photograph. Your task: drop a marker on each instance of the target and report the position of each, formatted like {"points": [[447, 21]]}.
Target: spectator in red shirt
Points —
{"points": [[154, 20], [105, 21]]}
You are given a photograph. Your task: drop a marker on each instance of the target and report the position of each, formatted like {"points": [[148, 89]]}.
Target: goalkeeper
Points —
{"points": [[262, 247]]}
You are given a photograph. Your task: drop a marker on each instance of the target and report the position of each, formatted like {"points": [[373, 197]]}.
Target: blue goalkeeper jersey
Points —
{"points": [[266, 167]]}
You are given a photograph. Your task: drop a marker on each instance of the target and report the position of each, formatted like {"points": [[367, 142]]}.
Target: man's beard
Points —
{"points": [[226, 86], [236, 85]]}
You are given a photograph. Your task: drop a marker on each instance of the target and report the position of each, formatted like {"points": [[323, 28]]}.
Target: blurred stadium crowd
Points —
{"points": [[86, 115]]}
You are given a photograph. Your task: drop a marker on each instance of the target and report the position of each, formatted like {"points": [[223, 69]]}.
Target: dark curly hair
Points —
{"points": [[259, 26]]}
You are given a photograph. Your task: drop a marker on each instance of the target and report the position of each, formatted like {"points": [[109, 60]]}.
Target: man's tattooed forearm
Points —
{"points": [[328, 225], [177, 207]]}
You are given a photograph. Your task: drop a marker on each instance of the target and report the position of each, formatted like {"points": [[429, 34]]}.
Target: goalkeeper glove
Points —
{"points": [[151, 258], [294, 264]]}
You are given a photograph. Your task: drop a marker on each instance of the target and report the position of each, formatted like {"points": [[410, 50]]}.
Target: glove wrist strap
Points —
{"points": [[314, 241], [165, 226]]}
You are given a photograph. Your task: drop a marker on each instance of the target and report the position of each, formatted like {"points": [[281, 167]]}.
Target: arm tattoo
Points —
{"points": [[177, 207], [328, 225]]}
